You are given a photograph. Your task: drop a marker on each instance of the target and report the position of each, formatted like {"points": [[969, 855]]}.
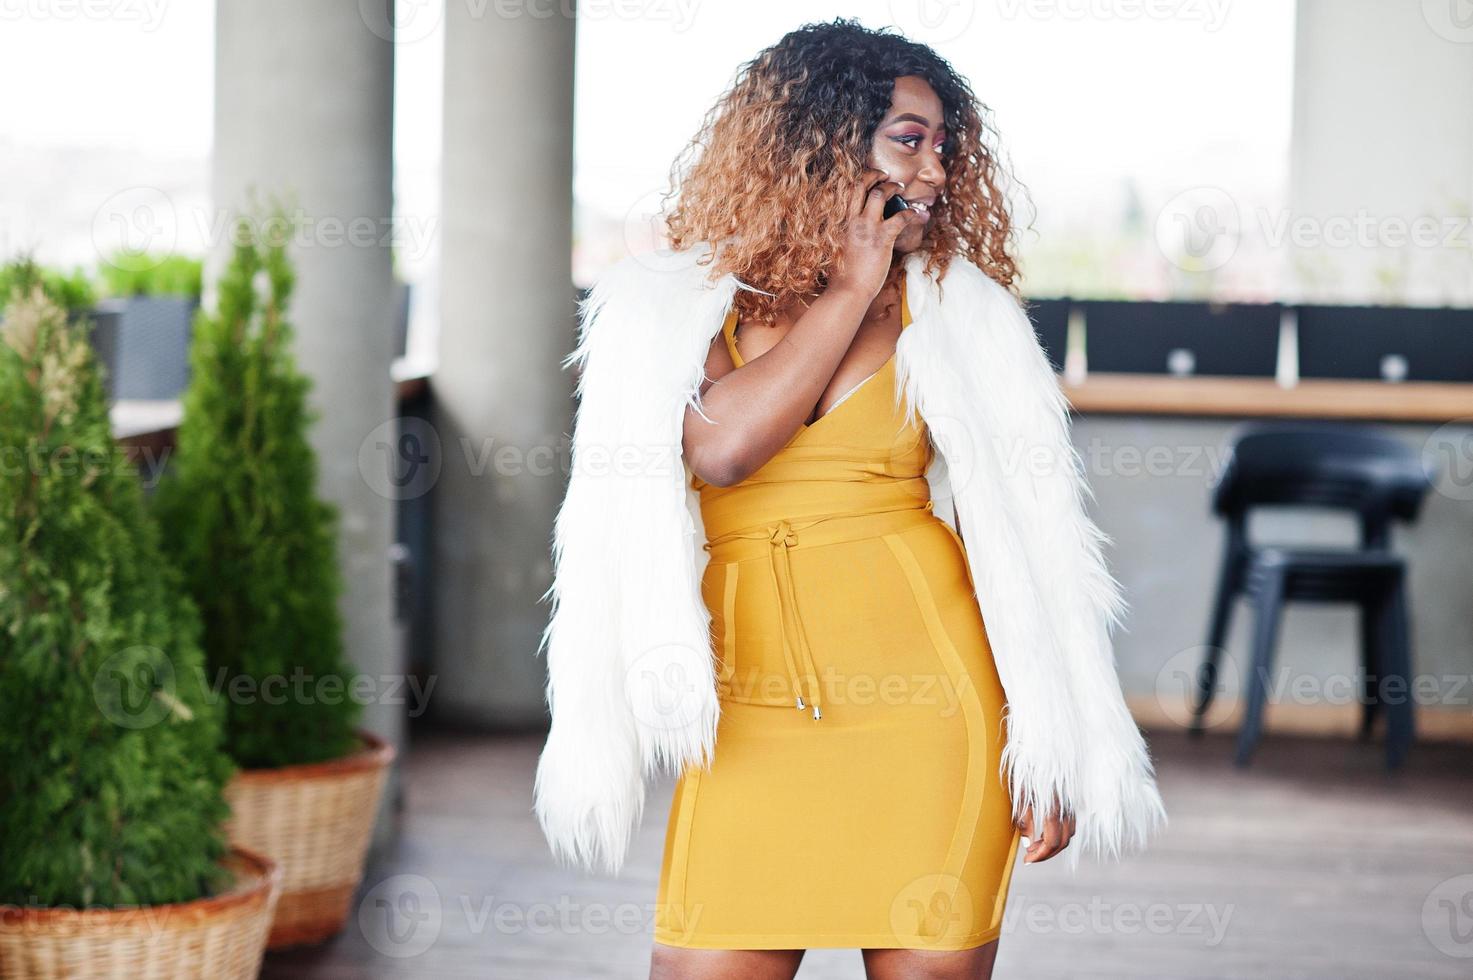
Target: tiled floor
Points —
{"points": [[1313, 863]]}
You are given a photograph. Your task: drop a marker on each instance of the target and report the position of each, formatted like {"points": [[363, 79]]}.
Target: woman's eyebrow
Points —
{"points": [[911, 117]]}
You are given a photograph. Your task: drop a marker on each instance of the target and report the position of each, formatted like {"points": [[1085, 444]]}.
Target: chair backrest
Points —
{"points": [[1342, 466]]}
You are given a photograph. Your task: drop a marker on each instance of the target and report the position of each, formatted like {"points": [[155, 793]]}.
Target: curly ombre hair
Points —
{"points": [[781, 154]]}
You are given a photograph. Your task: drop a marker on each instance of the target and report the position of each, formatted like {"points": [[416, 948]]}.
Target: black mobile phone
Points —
{"points": [[895, 205]]}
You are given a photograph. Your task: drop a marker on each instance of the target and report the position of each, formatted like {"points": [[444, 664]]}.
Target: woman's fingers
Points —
{"points": [[874, 200], [1051, 838], [863, 191]]}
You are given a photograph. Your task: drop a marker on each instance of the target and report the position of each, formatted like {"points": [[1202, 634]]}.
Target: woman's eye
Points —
{"points": [[913, 140]]}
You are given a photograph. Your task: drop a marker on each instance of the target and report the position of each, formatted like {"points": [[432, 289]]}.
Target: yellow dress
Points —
{"points": [[854, 798]]}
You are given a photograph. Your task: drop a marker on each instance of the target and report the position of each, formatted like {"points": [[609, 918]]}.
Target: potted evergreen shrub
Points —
{"points": [[258, 552], [113, 857]]}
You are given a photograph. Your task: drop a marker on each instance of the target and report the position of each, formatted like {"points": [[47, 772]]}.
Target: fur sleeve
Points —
{"points": [[588, 792], [1114, 798], [980, 377]]}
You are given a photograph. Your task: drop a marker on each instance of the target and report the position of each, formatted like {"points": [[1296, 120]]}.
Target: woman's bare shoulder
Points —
{"points": [[718, 362]]}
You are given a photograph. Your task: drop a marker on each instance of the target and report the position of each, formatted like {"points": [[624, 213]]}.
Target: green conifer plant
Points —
{"points": [[111, 761], [240, 516]]}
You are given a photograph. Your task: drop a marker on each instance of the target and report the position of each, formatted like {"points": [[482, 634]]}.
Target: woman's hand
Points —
{"points": [[869, 241], [1052, 838]]}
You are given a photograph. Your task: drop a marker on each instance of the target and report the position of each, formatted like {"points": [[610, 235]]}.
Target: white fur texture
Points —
{"points": [[631, 681]]}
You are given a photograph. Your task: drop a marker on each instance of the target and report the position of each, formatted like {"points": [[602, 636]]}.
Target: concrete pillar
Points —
{"points": [[502, 401], [304, 106], [1382, 144]]}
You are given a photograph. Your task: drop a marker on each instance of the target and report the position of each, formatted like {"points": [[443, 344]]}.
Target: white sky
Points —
{"points": [[1077, 98], [1084, 91]]}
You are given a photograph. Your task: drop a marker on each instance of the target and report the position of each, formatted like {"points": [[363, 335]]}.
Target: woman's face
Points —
{"points": [[908, 144]]}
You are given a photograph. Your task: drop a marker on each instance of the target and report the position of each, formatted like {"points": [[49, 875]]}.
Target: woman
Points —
{"points": [[847, 393]]}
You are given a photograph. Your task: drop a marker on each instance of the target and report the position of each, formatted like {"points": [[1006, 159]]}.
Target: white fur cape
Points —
{"points": [[631, 672]]}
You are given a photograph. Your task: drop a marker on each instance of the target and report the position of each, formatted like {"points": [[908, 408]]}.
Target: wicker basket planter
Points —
{"points": [[222, 937], [316, 821]]}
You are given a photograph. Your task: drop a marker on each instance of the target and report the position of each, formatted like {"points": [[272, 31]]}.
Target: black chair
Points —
{"points": [[1329, 465]]}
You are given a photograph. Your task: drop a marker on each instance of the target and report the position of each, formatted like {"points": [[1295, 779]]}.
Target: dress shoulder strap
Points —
{"points": [[728, 329]]}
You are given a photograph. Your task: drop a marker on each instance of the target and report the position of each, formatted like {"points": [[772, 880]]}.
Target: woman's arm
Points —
{"points": [[759, 406]]}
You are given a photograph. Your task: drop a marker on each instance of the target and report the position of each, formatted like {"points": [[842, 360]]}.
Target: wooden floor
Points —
{"points": [[1312, 863]]}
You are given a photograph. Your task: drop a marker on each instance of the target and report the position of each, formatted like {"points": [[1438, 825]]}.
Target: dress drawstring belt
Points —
{"points": [[783, 536]]}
